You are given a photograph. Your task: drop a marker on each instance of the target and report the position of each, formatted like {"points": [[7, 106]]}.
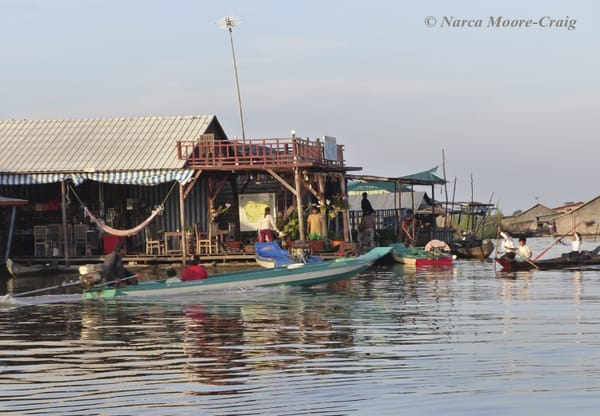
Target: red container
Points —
{"points": [[110, 241]]}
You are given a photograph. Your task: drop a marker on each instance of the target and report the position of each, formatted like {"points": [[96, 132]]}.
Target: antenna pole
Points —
{"points": [[230, 23]]}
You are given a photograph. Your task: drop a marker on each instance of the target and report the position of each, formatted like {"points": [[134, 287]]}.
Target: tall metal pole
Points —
{"points": [[229, 23]]}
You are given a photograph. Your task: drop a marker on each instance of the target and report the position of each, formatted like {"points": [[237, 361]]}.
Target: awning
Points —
{"points": [[140, 177]]}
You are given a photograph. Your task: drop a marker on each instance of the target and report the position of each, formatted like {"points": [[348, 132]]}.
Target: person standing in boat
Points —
{"points": [[524, 253], [267, 223], [194, 271], [575, 245], [113, 269], [508, 245]]}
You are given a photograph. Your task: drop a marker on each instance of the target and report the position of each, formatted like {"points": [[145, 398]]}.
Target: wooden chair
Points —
{"points": [[214, 235], [80, 239], [40, 240], [153, 244], [203, 245], [55, 239]]}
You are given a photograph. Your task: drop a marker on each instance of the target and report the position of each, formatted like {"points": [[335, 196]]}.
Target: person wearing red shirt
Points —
{"points": [[194, 271]]}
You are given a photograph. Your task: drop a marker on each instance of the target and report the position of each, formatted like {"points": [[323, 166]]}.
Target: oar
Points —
{"points": [[529, 261], [30, 292], [557, 241]]}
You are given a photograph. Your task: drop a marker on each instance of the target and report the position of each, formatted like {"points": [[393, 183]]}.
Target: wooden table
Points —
{"points": [[167, 235]]}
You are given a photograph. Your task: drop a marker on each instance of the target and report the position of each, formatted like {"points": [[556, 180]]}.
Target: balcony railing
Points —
{"points": [[208, 153]]}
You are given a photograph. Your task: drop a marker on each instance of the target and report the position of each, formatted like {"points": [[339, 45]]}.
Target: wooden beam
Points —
{"points": [[311, 190], [298, 182], [282, 181], [63, 204], [190, 185], [182, 220]]}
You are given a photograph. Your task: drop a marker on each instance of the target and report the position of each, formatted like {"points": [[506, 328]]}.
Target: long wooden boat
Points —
{"points": [[566, 261], [472, 248], [52, 268], [292, 275], [270, 255], [401, 253]]}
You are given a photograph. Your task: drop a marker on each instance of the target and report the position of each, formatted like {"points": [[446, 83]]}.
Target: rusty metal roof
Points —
{"points": [[99, 144]]}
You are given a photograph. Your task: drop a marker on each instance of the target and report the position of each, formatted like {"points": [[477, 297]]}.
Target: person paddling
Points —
{"points": [[508, 246]]}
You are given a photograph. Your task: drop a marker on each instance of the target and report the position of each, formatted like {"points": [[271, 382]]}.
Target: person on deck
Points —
{"points": [[314, 224], [113, 269], [267, 223], [365, 205], [194, 271], [524, 253], [508, 246], [408, 228]]}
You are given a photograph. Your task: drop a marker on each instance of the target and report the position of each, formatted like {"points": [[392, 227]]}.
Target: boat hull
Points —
{"points": [[472, 249], [563, 262], [293, 275], [418, 257]]}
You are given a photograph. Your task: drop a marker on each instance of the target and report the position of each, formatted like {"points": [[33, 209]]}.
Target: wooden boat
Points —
{"points": [[472, 248], [471, 244], [566, 261], [53, 268], [293, 275], [401, 253], [270, 255]]}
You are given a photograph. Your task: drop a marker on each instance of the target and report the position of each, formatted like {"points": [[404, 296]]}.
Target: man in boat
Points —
{"points": [[113, 269], [194, 271], [508, 246], [524, 253], [575, 245]]}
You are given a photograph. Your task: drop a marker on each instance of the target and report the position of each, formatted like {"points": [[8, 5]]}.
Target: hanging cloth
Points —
{"points": [[121, 233]]}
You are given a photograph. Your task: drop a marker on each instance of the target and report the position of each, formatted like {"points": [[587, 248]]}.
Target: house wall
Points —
{"points": [[587, 219]]}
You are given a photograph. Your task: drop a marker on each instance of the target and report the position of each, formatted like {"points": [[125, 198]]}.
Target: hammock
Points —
{"points": [[121, 233]]}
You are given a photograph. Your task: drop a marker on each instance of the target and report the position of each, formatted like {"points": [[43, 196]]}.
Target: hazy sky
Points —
{"points": [[516, 108]]}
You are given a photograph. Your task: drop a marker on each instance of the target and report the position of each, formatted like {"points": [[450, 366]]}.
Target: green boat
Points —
{"points": [[293, 275]]}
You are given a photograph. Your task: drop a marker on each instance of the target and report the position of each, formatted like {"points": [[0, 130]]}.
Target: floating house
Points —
{"points": [[167, 186]]}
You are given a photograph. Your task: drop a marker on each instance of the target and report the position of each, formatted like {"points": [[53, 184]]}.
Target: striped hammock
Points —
{"points": [[121, 233]]}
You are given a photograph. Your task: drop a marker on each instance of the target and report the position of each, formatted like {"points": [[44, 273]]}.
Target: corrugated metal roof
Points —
{"points": [[100, 144]]}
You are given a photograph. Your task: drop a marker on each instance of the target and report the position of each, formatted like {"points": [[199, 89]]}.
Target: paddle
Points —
{"points": [[529, 261], [30, 292], [557, 241], [71, 283]]}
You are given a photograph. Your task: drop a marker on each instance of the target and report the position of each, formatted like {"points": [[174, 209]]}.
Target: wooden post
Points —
{"points": [[63, 204], [182, 221], [298, 183], [13, 215], [321, 185], [344, 211]]}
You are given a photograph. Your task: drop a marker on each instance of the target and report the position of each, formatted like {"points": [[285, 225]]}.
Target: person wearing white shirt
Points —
{"points": [[508, 246], [523, 252], [267, 223]]}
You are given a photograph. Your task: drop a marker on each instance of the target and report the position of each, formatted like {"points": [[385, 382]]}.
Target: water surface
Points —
{"points": [[457, 340]]}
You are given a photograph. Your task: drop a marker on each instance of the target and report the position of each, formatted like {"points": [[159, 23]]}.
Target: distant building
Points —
{"points": [[536, 220]]}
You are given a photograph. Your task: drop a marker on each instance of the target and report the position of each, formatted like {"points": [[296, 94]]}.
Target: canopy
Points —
{"points": [[149, 177], [427, 177]]}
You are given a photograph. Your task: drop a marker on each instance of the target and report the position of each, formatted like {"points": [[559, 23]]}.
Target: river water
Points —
{"points": [[458, 340]]}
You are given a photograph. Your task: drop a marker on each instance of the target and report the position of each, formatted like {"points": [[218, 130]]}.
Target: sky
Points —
{"points": [[404, 85]]}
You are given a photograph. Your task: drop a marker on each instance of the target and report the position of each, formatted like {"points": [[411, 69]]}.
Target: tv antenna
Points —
{"points": [[228, 23]]}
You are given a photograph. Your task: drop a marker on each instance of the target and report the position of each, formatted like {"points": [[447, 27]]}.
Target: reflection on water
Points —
{"points": [[452, 340]]}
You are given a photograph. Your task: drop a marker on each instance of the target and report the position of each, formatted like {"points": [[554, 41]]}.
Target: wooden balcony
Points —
{"points": [[210, 154]]}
